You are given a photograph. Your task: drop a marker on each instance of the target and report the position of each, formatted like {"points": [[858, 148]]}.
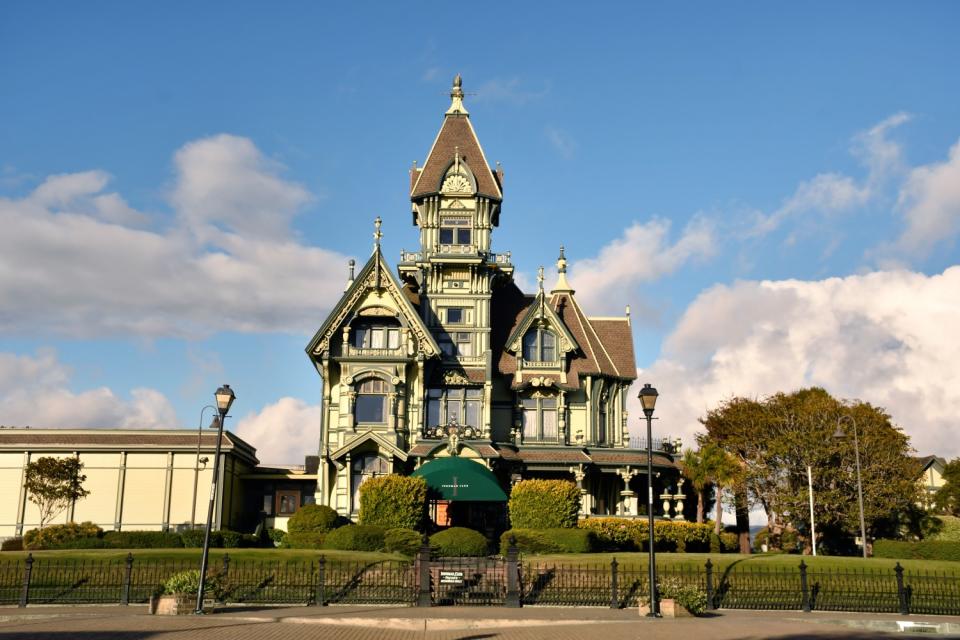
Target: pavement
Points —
{"points": [[448, 623]]}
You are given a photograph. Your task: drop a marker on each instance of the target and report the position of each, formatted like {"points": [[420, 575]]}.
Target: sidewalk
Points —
{"points": [[442, 623]]}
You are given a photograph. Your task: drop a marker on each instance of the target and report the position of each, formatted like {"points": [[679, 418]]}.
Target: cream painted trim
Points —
{"points": [[363, 437], [278, 476], [22, 505]]}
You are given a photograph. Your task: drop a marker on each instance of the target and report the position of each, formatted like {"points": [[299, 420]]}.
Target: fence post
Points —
{"points": [[710, 592], [127, 574], [901, 591], [614, 596], [27, 571], [805, 591], [321, 598], [423, 573], [513, 574]]}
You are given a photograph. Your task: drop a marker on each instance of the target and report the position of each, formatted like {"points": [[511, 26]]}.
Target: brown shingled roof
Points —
{"points": [[617, 339], [456, 134]]}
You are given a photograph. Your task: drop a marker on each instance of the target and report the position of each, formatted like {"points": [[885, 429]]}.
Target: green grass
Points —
{"points": [[282, 555]]}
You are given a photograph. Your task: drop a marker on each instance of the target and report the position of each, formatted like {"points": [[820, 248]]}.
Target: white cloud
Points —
{"points": [[887, 337], [283, 432], [832, 193], [225, 181], [643, 253], [76, 261], [565, 145], [930, 203], [34, 391]]}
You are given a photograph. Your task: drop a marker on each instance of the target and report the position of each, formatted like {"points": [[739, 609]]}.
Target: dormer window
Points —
{"points": [[379, 333], [455, 231], [371, 403], [539, 345]]}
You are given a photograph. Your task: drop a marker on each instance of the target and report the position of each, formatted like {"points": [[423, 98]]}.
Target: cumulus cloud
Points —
{"points": [[34, 391], [887, 337], [930, 204], [643, 253], [76, 260], [283, 432]]}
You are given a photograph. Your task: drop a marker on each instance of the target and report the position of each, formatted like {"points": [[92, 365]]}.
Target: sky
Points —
{"points": [[773, 188]]}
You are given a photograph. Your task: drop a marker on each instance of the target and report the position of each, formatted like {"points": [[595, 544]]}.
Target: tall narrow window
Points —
{"points": [[539, 418], [364, 468], [456, 343], [539, 345], [371, 402]]}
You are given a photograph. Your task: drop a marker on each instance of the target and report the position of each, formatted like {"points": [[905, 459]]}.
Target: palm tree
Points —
{"points": [[724, 471], [696, 471]]}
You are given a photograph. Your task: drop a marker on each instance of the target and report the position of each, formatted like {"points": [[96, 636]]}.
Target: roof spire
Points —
{"points": [[562, 284], [456, 98], [376, 233], [540, 278]]}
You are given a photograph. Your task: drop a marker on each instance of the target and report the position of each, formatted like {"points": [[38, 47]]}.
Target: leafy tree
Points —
{"points": [[947, 498], [775, 439], [53, 484]]}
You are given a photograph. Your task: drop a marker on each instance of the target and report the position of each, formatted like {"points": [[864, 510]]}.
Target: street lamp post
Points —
{"points": [[648, 400], [225, 398], [196, 465], [840, 434]]}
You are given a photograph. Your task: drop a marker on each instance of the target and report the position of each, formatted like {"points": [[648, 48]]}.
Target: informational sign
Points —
{"points": [[451, 577]]}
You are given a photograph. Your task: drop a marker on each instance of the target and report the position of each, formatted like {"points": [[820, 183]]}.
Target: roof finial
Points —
{"points": [[376, 234], [562, 284], [456, 98], [351, 264], [540, 278]]}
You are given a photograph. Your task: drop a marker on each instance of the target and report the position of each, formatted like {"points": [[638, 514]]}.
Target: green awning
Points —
{"points": [[461, 479]]}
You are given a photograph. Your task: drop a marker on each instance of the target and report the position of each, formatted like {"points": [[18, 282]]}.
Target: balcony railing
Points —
{"points": [[456, 249], [666, 445]]}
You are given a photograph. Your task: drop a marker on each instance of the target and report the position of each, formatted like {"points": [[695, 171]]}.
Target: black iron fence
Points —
{"points": [[509, 581]]}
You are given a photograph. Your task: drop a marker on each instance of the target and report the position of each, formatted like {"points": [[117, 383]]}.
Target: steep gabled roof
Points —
{"points": [[594, 358], [375, 273], [616, 337], [456, 136], [552, 320]]}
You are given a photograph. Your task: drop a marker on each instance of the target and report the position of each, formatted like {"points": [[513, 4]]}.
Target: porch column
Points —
{"points": [[586, 500], [628, 497]]}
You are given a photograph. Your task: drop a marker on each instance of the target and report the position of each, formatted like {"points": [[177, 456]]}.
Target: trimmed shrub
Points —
{"points": [[355, 537], [188, 583], [405, 541], [618, 534], [923, 550], [457, 542], [544, 504], [193, 538], [60, 536], [313, 518], [550, 540], [12, 544], [143, 539], [304, 540], [692, 598], [231, 539], [277, 536], [393, 502], [789, 540]]}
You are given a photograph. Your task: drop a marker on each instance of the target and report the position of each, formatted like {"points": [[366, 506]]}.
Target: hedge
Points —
{"points": [[923, 550], [60, 536], [544, 504], [355, 537], [393, 502], [405, 541], [618, 534], [550, 540], [89, 536], [313, 518], [142, 539], [304, 540], [458, 542]]}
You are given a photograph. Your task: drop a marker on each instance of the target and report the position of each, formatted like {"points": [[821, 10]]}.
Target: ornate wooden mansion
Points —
{"points": [[446, 357]]}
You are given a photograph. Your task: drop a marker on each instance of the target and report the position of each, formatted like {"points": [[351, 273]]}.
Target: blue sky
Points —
{"points": [[769, 186]]}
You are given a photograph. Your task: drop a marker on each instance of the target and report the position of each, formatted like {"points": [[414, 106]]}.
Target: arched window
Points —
{"points": [[371, 403], [539, 345], [375, 333], [365, 467]]}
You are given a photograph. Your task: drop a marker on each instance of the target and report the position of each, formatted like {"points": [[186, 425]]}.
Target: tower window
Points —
{"points": [[456, 343], [455, 231], [457, 404], [456, 315], [539, 345], [371, 401]]}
